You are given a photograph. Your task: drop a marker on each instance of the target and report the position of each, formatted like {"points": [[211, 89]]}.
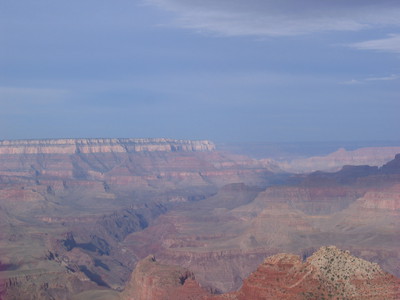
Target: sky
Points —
{"points": [[223, 70]]}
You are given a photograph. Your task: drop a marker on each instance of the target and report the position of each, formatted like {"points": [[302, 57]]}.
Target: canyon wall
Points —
{"points": [[78, 214], [70, 146]]}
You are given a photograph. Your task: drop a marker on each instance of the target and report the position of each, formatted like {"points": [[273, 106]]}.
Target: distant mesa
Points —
{"points": [[371, 156], [102, 145]]}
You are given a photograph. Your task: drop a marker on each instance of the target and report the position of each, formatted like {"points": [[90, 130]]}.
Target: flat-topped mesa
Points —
{"points": [[71, 146]]}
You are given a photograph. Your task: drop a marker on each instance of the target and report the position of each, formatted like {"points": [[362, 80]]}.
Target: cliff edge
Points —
{"points": [[71, 146]]}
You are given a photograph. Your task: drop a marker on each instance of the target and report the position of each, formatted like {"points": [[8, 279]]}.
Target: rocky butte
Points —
{"points": [[78, 217]]}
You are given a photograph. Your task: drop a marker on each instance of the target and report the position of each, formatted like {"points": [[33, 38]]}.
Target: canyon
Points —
{"points": [[78, 216]]}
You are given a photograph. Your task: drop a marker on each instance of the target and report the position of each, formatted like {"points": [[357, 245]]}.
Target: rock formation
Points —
{"points": [[223, 237], [66, 205], [372, 156], [329, 273], [77, 215], [71, 146], [152, 280]]}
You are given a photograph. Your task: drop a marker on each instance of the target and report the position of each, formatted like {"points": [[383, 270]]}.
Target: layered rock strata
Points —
{"points": [[229, 233], [67, 205], [70, 146]]}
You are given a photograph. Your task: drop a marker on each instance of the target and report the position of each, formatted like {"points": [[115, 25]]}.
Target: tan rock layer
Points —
{"points": [[71, 146]]}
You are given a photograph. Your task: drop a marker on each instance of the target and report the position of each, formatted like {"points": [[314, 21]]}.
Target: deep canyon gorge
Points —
{"points": [[163, 219]]}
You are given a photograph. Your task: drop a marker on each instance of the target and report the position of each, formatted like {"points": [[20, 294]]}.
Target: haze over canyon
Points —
{"points": [[179, 219]]}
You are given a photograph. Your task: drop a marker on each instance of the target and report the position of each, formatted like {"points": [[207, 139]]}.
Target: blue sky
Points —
{"points": [[225, 70]]}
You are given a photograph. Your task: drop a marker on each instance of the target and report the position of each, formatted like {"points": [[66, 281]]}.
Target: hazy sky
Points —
{"points": [[225, 70]]}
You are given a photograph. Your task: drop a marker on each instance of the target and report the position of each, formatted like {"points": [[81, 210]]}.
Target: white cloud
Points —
{"points": [[352, 82], [369, 79], [389, 44], [281, 18], [384, 78]]}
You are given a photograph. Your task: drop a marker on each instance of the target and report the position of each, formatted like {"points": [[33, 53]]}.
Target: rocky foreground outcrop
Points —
{"points": [[329, 273]]}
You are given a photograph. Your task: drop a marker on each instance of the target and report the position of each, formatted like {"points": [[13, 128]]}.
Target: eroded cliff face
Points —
{"points": [[143, 163], [71, 146]]}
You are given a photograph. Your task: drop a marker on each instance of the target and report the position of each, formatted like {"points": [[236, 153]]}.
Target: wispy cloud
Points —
{"points": [[389, 44], [384, 78], [281, 18], [369, 79], [352, 82]]}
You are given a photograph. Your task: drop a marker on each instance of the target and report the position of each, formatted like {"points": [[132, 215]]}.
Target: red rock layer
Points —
{"points": [[328, 274], [152, 280]]}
